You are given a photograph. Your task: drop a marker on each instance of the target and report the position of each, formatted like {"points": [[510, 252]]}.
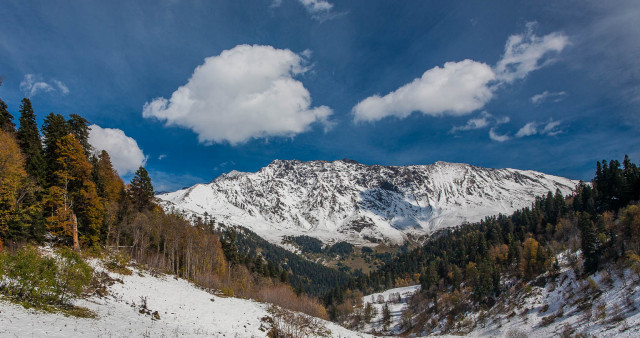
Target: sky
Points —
{"points": [[194, 89]]}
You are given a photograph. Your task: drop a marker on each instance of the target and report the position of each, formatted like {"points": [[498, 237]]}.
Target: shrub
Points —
{"points": [[74, 275], [40, 281], [290, 324], [117, 262]]}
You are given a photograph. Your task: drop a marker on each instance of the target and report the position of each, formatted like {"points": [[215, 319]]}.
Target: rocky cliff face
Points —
{"points": [[346, 200]]}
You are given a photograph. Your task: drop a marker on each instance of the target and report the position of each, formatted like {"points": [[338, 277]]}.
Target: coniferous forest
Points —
{"points": [[468, 267]]}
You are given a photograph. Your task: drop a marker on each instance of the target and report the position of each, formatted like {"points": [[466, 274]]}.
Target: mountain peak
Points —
{"points": [[346, 200]]}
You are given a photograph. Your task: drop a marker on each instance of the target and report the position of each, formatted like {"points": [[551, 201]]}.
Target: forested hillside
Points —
{"points": [[467, 268], [55, 189]]}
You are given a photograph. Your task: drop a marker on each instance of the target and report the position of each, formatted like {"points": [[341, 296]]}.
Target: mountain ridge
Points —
{"points": [[359, 203]]}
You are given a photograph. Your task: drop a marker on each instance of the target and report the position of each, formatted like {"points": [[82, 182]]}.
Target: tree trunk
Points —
{"points": [[74, 230]]}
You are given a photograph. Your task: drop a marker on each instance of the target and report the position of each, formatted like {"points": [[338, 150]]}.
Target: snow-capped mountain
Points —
{"points": [[346, 200]]}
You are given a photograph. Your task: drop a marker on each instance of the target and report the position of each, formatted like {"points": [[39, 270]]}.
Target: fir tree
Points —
{"points": [[79, 127], [589, 243], [6, 119], [141, 189], [54, 128], [29, 141]]}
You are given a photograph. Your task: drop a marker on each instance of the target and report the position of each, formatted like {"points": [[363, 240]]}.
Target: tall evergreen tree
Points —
{"points": [[29, 141], [79, 127], [590, 247], [142, 189], [6, 119], [54, 128]]}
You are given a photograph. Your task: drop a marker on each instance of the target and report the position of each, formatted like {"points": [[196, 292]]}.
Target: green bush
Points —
{"points": [[36, 280], [117, 262]]}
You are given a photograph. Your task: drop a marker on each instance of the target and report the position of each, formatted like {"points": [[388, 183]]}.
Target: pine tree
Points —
{"points": [[6, 119], [141, 189], [29, 141], [79, 127]]}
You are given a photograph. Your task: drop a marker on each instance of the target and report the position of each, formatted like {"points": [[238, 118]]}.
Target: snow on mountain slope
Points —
{"points": [[346, 200], [184, 311], [603, 305]]}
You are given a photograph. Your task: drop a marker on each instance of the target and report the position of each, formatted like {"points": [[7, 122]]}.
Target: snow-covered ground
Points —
{"points": [[397, 302], [607, 304], [184, 310]]}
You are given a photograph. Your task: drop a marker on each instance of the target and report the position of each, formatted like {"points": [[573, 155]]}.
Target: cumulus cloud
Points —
{"points": [[527, 52], [457, 88], [463, 87], [243, 93], [546, 95], [126, 155], [534, 128], [33, 84]]}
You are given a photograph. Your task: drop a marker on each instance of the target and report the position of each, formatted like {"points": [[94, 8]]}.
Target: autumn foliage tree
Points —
{"points": [[75, 208], [17, 203]]}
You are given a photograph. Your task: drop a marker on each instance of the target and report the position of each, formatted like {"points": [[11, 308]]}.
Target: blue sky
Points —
{"points": [[193, 89]]}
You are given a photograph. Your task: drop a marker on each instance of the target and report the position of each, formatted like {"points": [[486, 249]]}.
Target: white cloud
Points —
{"points": [[546, 95], [527, 52], [533, 128], [320, 10], [125, 154], [462, 87], [550, 128], [162, 156], [485, 120], [62, 87], [32, 84], [316, 6], [497, 137], [475, 123], [472, 124], [529, 129], [457, 89], [243, 93]]}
